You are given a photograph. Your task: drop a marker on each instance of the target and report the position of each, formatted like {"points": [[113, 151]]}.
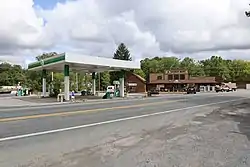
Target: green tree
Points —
{"points": [[122, 53], [11, 74], [159, 65], [34, 80], [216, 66], [104, 80], [168, 63], [57, 83], [194, 68]]}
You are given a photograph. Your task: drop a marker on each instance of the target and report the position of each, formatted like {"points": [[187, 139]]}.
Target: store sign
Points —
{"points": [[116, 83], [132, 84]]}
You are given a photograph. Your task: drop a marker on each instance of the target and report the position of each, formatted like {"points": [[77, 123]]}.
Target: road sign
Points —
{"points": [[116, 82]]}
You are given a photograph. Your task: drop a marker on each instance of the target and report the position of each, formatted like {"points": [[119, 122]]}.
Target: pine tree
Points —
{"points": [[122, 53]]}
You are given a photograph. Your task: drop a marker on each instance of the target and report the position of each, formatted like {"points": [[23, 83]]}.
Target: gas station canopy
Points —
{"points": [[83, 63], [80, 63]]}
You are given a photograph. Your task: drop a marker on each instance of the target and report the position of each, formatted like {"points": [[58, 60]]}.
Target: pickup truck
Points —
{"points": [[223, 89]]}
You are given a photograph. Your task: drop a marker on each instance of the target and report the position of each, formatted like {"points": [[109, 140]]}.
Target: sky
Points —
{"points": [[149, 28], [47, 4]]}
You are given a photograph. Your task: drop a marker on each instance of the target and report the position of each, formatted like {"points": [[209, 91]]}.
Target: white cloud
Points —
{"points": [[197, 28]]}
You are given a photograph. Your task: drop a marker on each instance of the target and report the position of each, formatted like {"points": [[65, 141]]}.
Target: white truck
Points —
{"points": [[111, 89], [226, 87]]}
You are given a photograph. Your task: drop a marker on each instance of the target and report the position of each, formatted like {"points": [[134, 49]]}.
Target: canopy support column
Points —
{"points": [[121, 88], [93, 83], [66, 82], [44, 74]]}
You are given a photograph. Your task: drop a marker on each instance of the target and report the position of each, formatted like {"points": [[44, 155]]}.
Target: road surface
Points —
{"points": [[175, 130]]}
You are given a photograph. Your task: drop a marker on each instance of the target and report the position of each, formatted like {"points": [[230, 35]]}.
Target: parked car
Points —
{"points": [[153, 92], [85, 93], [191, 90]]}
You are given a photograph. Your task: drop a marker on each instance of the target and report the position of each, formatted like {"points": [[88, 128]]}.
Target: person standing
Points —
{"points": [[73, 96]]}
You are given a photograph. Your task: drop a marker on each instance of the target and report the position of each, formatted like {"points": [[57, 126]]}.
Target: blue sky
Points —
{"points": [[47, 4]]}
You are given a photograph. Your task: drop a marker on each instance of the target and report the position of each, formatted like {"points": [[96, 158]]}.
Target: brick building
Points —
{"points": [[135, 83], [177, 80]]}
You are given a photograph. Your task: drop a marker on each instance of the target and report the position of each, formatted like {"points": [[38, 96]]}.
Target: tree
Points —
{"points": [[122, 53], [194, 68], [11, 74], [168, 63], [159, 65], [34, 80], [216, 66], [104, 80]]}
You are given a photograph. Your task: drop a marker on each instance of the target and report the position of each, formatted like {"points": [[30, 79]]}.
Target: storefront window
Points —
{"points": [[176, 77], [159, 77], [182, 77]]}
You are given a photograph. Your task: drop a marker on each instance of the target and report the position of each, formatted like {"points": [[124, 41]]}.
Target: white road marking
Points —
{"points": [[111, 121]]}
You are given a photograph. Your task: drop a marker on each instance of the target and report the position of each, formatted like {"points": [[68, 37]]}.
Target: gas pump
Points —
{"points": [[19, 89], [117, 85]]}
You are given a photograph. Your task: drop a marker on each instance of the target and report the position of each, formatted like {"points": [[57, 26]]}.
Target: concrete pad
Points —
{"points": [[13, 102]]}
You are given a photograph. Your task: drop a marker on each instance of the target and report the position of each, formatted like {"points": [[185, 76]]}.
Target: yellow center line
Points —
{"points": [[82, 111]]}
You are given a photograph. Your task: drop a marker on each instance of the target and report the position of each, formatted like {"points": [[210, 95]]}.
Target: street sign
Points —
{"points": [[116, 83]]}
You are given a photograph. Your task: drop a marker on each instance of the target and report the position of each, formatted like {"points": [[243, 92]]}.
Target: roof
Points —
{"points": [[140, 77], [198, 80], [79, 62]]}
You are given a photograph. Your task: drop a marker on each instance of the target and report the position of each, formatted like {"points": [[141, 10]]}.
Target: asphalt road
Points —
{"points": [[73, 134]]}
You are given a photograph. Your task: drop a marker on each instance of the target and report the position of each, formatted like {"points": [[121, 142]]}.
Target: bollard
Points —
{"points": [[61, 98]]}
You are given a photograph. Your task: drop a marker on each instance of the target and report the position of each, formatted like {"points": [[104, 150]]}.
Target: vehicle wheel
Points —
{"points": [[194, 92]]}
